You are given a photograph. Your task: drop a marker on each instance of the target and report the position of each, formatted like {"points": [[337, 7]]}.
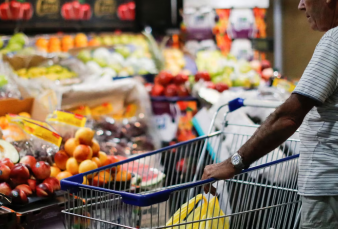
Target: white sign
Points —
{"points": [[225, 4]]}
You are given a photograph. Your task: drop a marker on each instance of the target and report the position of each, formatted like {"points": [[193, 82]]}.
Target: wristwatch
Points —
{"points": [[237, 161]]}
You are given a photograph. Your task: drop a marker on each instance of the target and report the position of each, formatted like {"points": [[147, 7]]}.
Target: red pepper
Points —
{"points": [[131, 7], [86, 12], [76, 10], [16, 10], [122, 12], [27, 11], [5, 13], [67, 11]]}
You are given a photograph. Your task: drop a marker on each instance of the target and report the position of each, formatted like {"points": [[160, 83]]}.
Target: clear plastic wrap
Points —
{"points": [[8, 88], [42, 142]]}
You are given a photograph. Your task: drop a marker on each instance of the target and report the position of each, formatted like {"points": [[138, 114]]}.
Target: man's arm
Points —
{"points": [[278, 127]]}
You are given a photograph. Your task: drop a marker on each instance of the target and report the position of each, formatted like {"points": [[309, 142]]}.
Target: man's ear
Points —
{"points": [[331, 3]]}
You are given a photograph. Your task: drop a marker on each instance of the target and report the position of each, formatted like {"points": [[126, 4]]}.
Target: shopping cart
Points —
{"points": [[263, 196]]}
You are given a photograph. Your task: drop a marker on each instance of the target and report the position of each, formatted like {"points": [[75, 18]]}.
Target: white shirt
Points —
{"points": [[318, 162]]}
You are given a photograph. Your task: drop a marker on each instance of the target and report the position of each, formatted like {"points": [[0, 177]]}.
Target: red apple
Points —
{"points": [[41, 170], [5, 13], [157, 90], [5, 189], [29, 161], [27, 10], [171, 90], [165, 78], [181, 79], [32, 184], [19, 174], [7, 161], [220, 87], [156, 80], [67, 11], [18, 196], [203, 75], [16, 10], [53, 182], [44, 190], [182, 91], [4, 172], [210, 85], [25, 188]]}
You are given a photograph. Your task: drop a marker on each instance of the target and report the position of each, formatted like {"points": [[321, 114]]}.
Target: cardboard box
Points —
{"points": [[15, 106]]}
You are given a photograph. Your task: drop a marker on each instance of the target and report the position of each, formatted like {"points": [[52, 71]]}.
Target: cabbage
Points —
{"points": [[94, 68], [101, 53]]}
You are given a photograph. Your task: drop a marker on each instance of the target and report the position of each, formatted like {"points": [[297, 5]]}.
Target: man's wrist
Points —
{"points": [[245, 161], [228, 164]]}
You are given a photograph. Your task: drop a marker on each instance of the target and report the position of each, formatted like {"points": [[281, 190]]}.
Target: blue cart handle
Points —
{"points": [[239, 102]]}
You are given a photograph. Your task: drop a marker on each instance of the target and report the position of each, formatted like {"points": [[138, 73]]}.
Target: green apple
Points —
{"points": [[18, 38], [1, 43], [3, 80], [116, 67], [100, 61], [13, 47], [84, 56]]}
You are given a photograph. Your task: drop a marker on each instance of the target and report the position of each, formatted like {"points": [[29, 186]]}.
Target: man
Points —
{"points": [[314, 104]]}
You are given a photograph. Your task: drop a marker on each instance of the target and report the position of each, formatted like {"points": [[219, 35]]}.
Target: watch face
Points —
{"points": [[236, 159]]}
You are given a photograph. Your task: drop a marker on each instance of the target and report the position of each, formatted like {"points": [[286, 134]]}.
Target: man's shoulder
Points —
{"points": [[332, 34]]}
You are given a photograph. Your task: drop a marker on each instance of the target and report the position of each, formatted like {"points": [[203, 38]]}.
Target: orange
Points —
{"points": [[94, 42], [72, 166], [102, 178], [54, 41], [85, 181], [3, 122], [97, 161], [103, 157], [41, 42], [122, 176], [67, 40], [87, 166], [54, 49], [54, 171], [63, 175]]}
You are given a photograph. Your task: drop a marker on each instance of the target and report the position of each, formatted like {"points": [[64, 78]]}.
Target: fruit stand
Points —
{"points": [[81, 99]]}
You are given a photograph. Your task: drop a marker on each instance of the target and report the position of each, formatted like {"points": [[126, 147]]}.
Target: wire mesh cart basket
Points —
{"points": [[164, 190]]}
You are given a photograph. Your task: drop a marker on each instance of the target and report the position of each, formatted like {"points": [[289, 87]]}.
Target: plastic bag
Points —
{"points": [[42, 142], [66, 123], [8, 88], [204, 211]]}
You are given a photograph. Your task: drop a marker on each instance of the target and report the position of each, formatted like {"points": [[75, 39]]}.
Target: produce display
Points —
{"points": [[56, 44], [169, 85], [227, 70], [82, 154], [66, 42], [12, 133], [174, 60], [120, 61], [24, 178], [54, 72], [16, 43]]}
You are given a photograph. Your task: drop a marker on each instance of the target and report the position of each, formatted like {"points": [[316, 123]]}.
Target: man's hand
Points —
{"points": [[221, 171]]}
